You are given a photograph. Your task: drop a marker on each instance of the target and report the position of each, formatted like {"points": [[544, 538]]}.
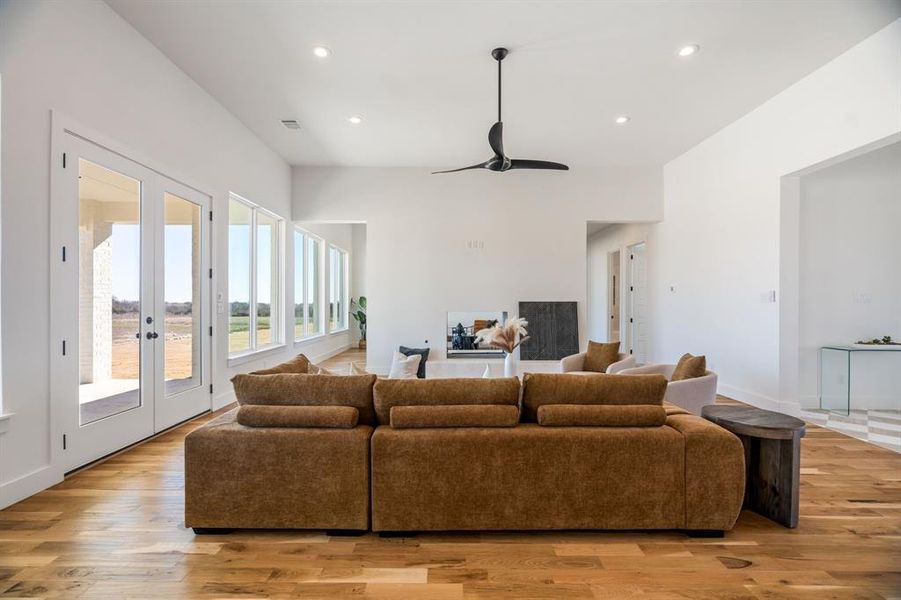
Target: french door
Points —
{"points": [[130, 307]]}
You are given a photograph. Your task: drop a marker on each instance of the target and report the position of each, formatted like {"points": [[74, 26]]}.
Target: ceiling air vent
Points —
{"points": [[290, 123]]}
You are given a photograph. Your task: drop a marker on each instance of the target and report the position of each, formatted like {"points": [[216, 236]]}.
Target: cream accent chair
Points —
{"points": [[576, 362], [690, 394]]}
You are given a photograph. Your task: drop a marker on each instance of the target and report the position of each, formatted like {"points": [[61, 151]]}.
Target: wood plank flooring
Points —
{"points": [[115, 530]]}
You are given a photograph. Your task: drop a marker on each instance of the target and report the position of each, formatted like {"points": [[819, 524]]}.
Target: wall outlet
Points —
{"points": [[768, 297]]}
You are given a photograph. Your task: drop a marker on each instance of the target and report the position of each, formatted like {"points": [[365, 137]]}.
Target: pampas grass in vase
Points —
{"points": [[506, 337]]}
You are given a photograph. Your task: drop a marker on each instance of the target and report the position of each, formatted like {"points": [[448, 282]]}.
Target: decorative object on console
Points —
{"points": [[358, 312], [461, 333], [486, 374], [555, 330], [885, 341], [422, 352], [507, 337], [404, 367]]}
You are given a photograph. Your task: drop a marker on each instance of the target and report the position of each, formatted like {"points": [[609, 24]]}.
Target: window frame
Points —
{"points": [[345, 291], [276, 323], [304, 274]]}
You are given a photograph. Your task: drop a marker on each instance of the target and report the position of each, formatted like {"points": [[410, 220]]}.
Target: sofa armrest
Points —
{"points": [[571, 363], [665, 370], [626, 361], [692, 394], [714, 473]]}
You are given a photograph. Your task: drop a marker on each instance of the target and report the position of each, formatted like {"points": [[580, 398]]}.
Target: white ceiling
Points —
{"points": [[421, 75]]}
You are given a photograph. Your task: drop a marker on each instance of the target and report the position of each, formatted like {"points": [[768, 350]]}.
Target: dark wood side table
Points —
{"points": [[772, 444]]}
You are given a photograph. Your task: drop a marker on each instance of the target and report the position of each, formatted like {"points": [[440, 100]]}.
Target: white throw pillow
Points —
{"points": [[404, 367], [355, 369], [486, 374]]}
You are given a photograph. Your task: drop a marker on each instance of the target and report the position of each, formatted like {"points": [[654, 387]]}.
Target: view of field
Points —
{"points": [[126, 347]]}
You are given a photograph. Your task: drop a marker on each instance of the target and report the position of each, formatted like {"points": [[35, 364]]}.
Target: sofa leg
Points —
{"points": [[211, 530], [345, 532], [705, 533], [396, 534]]}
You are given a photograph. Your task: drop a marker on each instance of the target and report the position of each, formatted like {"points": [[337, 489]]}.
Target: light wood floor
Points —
{"points": [[115, 531]]}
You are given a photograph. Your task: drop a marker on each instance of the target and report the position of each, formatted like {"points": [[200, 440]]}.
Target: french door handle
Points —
{"points": [[152, 335]]}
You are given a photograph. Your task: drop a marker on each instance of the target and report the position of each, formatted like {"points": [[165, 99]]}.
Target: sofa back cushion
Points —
{"points": [[599, 415], [328, 417], [565, 388], [298, 364], [455, 415], [432, 392], [296, 389]]}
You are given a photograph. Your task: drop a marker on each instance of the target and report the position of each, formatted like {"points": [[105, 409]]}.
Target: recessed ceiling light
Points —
{"points": [[688, 50], [356, 120], [321, 51], [622, 119]]}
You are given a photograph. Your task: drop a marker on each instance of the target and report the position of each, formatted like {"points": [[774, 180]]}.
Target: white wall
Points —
{"points": [[419, 266], [719, 243], [82, 59], [600, 245], [850, 272]]}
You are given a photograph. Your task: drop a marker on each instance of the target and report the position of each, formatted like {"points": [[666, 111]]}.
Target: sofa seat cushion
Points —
{"points": [[298, 364], [294, 389], [562, 388], [576, 415], [600, 356], [488, 415], [432, 392], [334, 417]]}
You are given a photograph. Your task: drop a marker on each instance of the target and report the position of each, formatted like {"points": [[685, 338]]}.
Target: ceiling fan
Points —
{"points": [[500, 162]]}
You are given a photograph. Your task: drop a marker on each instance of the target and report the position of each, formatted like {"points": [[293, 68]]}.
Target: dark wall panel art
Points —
{"points": [[553, 330]]}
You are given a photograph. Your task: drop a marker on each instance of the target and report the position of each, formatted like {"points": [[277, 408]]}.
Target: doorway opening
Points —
{"points": [[617, 299]]}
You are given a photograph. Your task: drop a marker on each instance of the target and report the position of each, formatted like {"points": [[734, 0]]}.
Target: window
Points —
{"points": [[337, 289], [254, 277], [307, 285]]}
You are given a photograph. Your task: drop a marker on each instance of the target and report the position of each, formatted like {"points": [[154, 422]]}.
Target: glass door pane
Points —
{"points": [[182, 294], [109, 292], [314, 292]]}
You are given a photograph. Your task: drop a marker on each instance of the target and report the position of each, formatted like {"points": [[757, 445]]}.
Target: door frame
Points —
{"points": [[614, 292], [63, 128], [629, 314]]}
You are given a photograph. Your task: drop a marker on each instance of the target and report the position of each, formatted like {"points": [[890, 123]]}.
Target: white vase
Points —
{"points": [[511, 365]]}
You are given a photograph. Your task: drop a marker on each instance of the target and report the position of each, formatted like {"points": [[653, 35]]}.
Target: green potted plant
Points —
{"points": [[358, 312]]}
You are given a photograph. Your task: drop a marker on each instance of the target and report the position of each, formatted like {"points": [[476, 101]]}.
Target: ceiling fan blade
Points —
{"points": [[478, 166], [524, 163], [496, 139]]}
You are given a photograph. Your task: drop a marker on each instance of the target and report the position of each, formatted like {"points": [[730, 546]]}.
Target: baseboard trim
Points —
{"points": [[28, 485], [747, 397]]}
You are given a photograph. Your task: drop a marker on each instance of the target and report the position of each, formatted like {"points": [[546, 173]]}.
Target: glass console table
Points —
{"points": [[835, 374]]}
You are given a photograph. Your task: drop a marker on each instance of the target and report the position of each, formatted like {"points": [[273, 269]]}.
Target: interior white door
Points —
{"points": [[133, 356], [638, 303]]}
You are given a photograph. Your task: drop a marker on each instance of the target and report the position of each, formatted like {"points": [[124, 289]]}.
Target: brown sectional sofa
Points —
{"points": [[587, 452]]}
